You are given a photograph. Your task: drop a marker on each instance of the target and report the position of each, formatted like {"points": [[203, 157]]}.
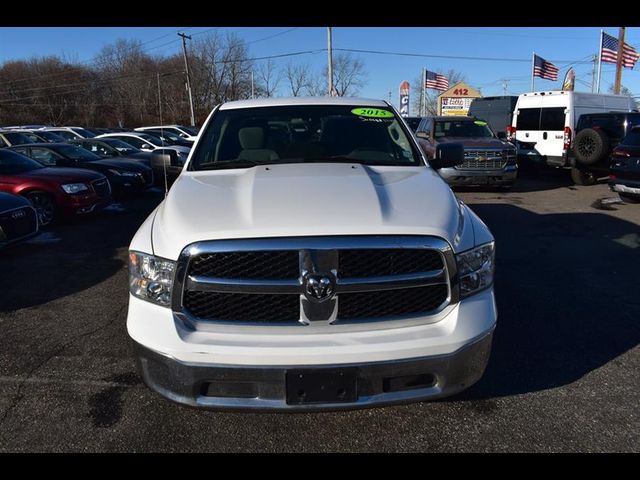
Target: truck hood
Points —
{"points": [[477, 142], [303, 200]]}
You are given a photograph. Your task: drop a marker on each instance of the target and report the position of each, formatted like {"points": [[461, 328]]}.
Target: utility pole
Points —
{"points": [[616, 87], [593, 73], [389, 96], [330, 60], [252, 92], [505, 86], [186, 66]]}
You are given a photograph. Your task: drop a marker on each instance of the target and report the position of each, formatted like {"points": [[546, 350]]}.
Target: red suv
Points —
{"points": [[54, 192]]}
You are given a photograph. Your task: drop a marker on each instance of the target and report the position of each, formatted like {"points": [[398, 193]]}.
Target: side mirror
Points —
{"points": [[144, 146], [502, 135], [423, 135], [162, 158], [447, 155]]}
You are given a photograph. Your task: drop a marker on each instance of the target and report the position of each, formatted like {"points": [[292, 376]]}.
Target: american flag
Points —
{"points": [[436, 81], [544, 69], [609, 52]]}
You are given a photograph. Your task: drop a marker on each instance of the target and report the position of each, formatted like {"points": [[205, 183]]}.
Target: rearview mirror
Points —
{"points": [[447, 155]]}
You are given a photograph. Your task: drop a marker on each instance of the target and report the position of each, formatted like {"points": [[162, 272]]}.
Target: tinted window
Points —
{"points": [[12, 163], [65, 134], [17, 138], [552, 118], [121, 146], [44, 155], [76, 153], [136, 142], [51, 137], [462, 128], [528, 119], [301, 133], [413, 122], [84, 133]]}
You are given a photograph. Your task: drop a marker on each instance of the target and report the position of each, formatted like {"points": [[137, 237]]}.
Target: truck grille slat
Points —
{"points": [[486, 159], [399, 277]]}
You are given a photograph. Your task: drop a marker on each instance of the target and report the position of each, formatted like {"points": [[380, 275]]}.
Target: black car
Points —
{"points": [[169, 138], [413, 122], [624, 169], [123, 175], [18, 219], [111, 147], [597, 135]]}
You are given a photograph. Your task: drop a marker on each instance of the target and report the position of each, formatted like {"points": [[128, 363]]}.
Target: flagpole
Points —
{"points": [[424, 85], [533, 64], [600, 61]]}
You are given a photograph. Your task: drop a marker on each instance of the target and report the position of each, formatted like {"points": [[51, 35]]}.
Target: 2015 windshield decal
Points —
{"points": [[372, 112]]}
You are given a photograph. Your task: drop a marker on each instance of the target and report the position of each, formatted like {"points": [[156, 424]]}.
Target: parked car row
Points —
{"points": [[50, 173]]}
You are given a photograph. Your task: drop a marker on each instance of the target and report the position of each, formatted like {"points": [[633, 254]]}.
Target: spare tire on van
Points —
{"points": [[590, 146]]}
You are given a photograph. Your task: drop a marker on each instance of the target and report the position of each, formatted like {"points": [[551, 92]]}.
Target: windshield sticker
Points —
{"points": [[481, 123], [372, 112]]}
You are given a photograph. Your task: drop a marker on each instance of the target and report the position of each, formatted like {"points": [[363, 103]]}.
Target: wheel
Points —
{"points": [[590, 146], [627, 198], [45, 207], [582, 177]]}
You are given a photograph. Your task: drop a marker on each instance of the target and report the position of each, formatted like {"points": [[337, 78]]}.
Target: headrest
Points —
{"points": [[251, 138]]}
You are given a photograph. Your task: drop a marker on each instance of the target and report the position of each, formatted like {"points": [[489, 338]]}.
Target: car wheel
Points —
{"points": [[626, 198], [590, 146], [45, 207], [582, 177]]}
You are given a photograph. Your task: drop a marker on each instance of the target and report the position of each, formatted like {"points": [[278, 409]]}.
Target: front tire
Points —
{"points": [[45, 208], [582, 177]]}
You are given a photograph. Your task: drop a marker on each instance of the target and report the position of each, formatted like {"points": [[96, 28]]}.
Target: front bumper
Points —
{"points": [[264, 388], [456, 177]]}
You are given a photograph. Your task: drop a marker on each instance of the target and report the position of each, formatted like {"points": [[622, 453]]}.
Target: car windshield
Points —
{"points": [[50, 136], [17, 138], [245, 137], [413, 122], [150, 138], [83, 132], [76, 153], [13, 163], [190, 130], [120, 146], [164, 137], [462, 128]]}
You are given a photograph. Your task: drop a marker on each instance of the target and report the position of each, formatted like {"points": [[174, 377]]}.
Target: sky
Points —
{"points": [[501, 54]]}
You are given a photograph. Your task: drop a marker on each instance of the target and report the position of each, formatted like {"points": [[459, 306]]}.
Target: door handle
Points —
{"points": [[544, 135]]}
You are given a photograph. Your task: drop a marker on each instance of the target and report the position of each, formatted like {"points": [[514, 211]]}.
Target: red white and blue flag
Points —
{"points": [[609, 53], [544, 69], [436, 81]]}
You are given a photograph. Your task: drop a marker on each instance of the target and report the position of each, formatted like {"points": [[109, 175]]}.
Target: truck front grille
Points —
{"points": [[271, 280], [486, 159]]}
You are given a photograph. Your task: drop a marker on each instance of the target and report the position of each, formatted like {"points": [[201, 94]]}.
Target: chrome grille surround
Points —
{"points": [[486, 159], [316, 254]]}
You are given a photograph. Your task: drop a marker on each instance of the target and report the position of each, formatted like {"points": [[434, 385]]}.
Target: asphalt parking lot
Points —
{"points": [[563, 375]]}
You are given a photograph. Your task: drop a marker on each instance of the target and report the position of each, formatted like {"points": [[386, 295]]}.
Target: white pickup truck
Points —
{"points": [[308, 257]]}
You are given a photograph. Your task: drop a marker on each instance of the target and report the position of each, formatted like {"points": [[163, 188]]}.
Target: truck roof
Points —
{"points": [[273, 102]]}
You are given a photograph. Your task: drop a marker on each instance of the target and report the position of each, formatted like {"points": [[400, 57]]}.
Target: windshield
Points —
{"points": [[413, 122], [190, 130], [13, 163], [245, 137], [50, 136], [120, 146], [150, 138], [166, 137], [17, 138], [76, 153], [462, 128], [85, 133]]}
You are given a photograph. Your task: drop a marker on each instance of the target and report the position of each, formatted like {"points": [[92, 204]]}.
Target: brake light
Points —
{"points": [[511, 133], [612, 177], [567, 138]]}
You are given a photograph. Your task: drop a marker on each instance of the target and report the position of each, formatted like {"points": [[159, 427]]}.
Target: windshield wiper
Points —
{"points": [[229, 164]]}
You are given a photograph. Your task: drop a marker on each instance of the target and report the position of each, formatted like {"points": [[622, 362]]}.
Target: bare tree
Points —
{"points": [[317, 85], [298, 76], [269, 77], [349, 75]]}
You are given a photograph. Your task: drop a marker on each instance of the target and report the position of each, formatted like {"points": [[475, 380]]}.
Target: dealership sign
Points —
{"points": [[457, 100], [404, 99]]}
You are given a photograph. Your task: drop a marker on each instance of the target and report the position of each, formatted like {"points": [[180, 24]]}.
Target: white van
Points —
{"points": [[544, 122]]}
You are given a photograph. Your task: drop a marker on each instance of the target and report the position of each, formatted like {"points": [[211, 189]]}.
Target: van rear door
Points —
{"points": [[543, 128]]}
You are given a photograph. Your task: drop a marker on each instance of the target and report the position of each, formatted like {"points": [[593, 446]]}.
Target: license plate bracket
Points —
{"points": [[331, 385]]}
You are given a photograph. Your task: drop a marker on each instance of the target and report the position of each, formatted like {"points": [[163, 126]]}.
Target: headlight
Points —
{"points": [[475, 269], [74, 187], [123, 173], [151, 278]]}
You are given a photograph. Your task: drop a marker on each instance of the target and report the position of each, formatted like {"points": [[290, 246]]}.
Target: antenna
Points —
{"points": [[164, 163]]}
